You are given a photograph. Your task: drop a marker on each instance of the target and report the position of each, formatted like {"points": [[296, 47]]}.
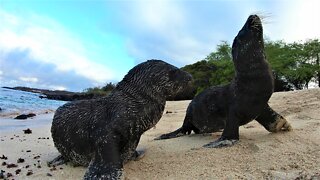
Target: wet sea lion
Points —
{"points": [[103, 133], [241, 101]]}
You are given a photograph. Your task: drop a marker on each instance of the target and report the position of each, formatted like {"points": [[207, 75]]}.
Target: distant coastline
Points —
{"points": [[56, 94]]}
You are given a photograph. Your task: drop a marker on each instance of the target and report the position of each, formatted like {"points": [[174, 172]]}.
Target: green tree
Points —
{"points": [[291, 62], [216, 69], [201, 72], [311, 53], [223, 53], [222, 60]]}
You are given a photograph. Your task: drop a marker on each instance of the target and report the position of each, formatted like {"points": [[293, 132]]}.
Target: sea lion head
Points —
{"points": [[179, 82], [248, 44], [156, 79]]}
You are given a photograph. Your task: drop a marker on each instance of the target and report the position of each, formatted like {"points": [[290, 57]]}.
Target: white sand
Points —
{"points": [[258, 155]]}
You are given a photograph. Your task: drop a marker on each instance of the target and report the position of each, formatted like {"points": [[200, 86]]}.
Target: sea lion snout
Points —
{"points": [[254, 20], [182, 84]]}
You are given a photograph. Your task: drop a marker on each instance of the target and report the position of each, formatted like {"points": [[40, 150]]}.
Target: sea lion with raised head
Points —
{"points": [[241, 101], [103, 133]]}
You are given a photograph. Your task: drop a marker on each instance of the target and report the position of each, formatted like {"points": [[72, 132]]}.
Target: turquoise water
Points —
{"points": [[18, 102], [13, 103]]}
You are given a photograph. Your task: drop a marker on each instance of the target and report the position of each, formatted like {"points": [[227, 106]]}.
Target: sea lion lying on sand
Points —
{"points": [[103, 133], [244, 99]]}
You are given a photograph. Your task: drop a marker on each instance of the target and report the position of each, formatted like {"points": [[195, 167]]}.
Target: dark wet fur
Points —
{"points": [[104, 133], [244, 99]]}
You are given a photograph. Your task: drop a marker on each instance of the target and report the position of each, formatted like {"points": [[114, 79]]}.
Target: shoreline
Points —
{"points": [[9, 124]]}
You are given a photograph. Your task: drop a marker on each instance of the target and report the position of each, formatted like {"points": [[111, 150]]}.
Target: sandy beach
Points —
{"points": [[258, 155]]}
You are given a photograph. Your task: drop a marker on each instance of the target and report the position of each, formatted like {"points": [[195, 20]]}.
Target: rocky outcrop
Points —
{"points": [[67, 96]]}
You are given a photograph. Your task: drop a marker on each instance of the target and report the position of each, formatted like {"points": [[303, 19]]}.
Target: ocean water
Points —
{"points": [[13, 103]]}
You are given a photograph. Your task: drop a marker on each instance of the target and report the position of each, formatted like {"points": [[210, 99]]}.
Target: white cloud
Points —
{"points": [[158, 16], [29, 79], [295, 20], [163, 30], [48, 42]]}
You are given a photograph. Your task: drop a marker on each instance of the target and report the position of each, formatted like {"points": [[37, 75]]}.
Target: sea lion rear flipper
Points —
{"points": [[177, 133], [272, 121], [105, 164]]}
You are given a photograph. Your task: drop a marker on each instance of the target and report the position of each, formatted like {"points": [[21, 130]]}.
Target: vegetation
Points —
{"points": [[294, 65], [103, 91]]}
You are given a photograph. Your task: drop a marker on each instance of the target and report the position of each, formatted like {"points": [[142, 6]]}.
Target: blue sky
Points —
{"points": [[74, 45]]}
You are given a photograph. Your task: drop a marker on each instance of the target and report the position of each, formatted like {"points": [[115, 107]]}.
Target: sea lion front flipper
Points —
{"points": [[221, 142], [105, 164], [230, 134], [273, 121], [57, 161], [138, 154]]}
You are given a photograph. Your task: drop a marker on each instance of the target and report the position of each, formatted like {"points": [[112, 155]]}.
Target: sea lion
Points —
{"points": [[241, 101], [103, 133]]}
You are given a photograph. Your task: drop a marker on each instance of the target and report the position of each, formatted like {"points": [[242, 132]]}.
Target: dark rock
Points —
{"points": [[4, 157], [12, 165], [25, 116], [20, 160], [9, 175], [2, 174], [48, 174], [22, 116], [27, 131], [39, 164], [31, 115], [4, 163], [18, 171], [36, 157], [53, 169], [29, 173]]}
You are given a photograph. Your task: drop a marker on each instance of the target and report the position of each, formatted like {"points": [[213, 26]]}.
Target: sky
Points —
{"points": [[74, 45]]}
